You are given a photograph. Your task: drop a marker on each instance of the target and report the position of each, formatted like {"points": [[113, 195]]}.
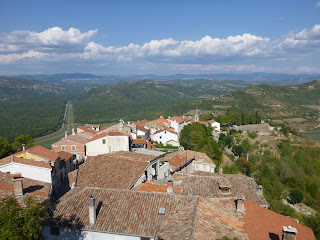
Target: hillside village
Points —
{"points": [[115, 183]]}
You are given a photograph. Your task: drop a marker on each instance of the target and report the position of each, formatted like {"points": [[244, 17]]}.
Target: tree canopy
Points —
{"points": [[198, 137], [21, 221]]}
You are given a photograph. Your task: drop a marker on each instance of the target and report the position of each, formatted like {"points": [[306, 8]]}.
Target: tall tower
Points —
{"points": [[196, 116]]}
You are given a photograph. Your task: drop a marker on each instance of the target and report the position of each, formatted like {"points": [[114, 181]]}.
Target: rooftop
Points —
{"points": [[179, 158], [39, 190], [65, 156], [149, 152], [207, 185], [87, 130], [43, 152], [121, 211], [73, 138], [109, 171], [145, 156]]}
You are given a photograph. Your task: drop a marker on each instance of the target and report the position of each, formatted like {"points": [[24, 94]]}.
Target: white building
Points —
{"points": [[107, 143], [215, 125], [37, 163], [166, 136], [179, 122]]}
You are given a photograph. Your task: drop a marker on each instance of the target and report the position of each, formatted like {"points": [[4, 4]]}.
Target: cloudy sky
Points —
{"points": [[159, 37]]}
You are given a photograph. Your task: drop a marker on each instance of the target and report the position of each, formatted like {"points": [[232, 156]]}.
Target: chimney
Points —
{"points": [[92, 211], [220, 170], [260, 189], [73, 131], [170, 186], [161, 116], [289, 233], [23, 147], [17, 185], [240, 204], [65, 134], [121, 125]]}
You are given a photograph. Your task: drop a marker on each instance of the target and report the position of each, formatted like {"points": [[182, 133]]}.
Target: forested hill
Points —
{"points": [[17, 88], [138, 100], [271, 101]]}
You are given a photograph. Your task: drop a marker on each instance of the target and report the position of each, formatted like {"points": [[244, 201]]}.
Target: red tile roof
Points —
{"points": [[138, 141], [121, 211], [43, 152], [207, 185], [30, 162], [262, 222], [73, 138], [38, 189], [211, 121], [135, 156], [179, 158], [65, 156], [109, 171], [177, 119], [142, 122], [142, 129], [161, 121], [167, 129], [156, 187], [87, 130]]}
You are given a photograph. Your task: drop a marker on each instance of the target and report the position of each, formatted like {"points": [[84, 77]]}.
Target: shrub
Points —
{"points": [[296, 196], [252, 135]]}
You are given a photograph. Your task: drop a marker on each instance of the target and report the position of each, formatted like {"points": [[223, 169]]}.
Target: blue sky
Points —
{"points": [[159, 37]]}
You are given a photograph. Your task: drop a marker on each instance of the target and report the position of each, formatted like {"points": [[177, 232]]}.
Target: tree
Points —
{"points": [[5, 148], [23, 139], [296, 196], [245, 166], [206, 117], [21, 221], [238, 150]]}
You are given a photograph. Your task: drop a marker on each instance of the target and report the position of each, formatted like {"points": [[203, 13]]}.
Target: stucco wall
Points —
{"points": [[68, 148], [73, 234], [32, 172], [113, 144], [165, 136]]}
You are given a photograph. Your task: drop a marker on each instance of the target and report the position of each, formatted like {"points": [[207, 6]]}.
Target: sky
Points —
{"points": [[159, 37]]}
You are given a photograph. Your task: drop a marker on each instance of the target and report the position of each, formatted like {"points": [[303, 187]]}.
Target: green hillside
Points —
{"points": [[32, 107], [137, 100], [271, 101]]}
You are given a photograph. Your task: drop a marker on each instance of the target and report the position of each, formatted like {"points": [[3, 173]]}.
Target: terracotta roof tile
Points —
{"points": [[43, 152], [87, 130], [38, 189], [166, 129], [138, 141], [73, 138], [65, 156], [135, 156], [142, 129], [207, 185], [121, 212], [142, 122], [30, 162], [109, 171], [179, 158], [262, 222], [156, 187]]}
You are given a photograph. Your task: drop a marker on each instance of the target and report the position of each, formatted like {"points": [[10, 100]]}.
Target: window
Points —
{"points": [[55, 231], [160, 137], [103, 141], [63, 148], [73, 148]]}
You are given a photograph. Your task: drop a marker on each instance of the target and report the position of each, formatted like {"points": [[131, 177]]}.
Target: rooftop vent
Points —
{"points": [[289, 233], [162, 211]]}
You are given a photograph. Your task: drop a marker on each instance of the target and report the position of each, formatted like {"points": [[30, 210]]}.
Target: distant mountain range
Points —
{"points": [[253, 78]]}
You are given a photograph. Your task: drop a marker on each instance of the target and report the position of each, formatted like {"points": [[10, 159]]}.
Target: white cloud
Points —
{"points": [[318, 4], [233, 53], [7, 58], [52, 39]]}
